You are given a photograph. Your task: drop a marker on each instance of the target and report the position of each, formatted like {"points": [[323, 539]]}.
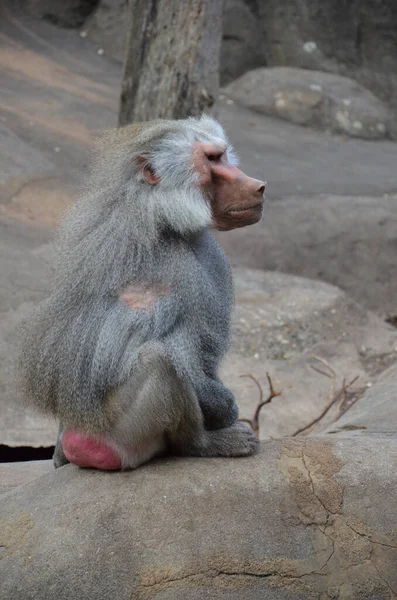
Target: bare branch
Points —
{"points": [[342, 410], [254, 422], [331, 403], [321, 372], [324, 362]]}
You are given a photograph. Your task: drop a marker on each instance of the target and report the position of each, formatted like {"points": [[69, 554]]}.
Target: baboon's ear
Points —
{"points": [[146, 169]]}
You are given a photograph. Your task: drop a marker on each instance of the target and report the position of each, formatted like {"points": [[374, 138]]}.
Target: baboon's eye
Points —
{"points": [[215, 156]]}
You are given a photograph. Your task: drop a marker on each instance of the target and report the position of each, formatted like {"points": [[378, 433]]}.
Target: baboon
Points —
{"points": [[125, 350]]}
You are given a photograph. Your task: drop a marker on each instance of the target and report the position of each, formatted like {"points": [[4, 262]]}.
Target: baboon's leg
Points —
{"points": [[157, 410]]}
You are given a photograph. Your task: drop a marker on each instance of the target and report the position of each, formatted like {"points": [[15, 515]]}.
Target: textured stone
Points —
{"points": [[242, 44], [65, 13], [15, 474], [321, 100], [373, 415], [107, 27], [280, 322], [349, 241], [355, 38], [290, 523]]}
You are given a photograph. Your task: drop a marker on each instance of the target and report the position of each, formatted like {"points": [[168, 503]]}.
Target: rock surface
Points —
{"points": [[107, 27], [45, 139], [280, 322], [374, 415], [242, 45], [313, 98], [355, 38], [23, 283], [15, 474], [349, 241], [65, 13], [304, 519]]}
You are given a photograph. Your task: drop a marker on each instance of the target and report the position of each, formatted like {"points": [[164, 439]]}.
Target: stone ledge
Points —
{"points": [[305, 519]]}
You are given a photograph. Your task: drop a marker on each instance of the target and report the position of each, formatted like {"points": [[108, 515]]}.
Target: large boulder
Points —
{"points": [[280, 323], [304, 519], [314, 98], [355, 38], [349, 241], [307, 519]]}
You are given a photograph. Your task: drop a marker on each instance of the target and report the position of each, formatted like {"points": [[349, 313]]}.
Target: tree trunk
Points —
{"points": [[171, 67]]}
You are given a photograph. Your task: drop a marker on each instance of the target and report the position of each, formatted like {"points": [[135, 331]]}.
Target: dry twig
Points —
{"points": [[254, 422], [332, 397]]}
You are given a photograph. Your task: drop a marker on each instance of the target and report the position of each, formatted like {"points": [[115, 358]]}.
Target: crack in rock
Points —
{"points": [[350, 567]]}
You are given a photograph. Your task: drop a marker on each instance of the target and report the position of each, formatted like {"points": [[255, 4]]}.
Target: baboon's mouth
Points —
{"points": [[245, 208]]}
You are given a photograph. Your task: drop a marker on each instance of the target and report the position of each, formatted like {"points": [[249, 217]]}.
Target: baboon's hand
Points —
{"points": [[238, 440]]}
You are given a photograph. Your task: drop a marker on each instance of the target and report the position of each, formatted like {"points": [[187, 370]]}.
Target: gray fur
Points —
{"points": [[159, 406], [82, 344]]}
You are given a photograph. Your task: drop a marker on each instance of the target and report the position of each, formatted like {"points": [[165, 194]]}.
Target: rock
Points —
{"points": [[65, 13], [313, 98], [292, 522], [356, 39], [23, 282], [107, 26], [18, 473], [278, 314], [349, 241], [242, 45], [375, 414], [280, 322], [68, 101]]}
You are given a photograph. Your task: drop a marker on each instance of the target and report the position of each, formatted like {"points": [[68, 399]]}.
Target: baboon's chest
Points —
{"points": [[213, 294]]}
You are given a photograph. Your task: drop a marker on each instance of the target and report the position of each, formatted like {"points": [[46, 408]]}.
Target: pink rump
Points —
{"points": [[86, 451]]}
